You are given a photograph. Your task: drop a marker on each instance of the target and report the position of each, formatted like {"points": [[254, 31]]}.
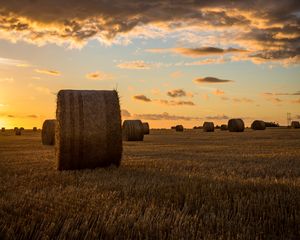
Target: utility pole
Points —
{"points": [[288, 118]]}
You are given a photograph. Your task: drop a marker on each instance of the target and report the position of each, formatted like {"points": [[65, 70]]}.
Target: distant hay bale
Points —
{"points": [[295, 124], [3, 129], [208, 127], [173, 127], [88, 129], [133, 130], [48, 132], [15, 129], [22, 129], [258, 125], [146, 128], [236, 125], [18, 132], [179, 128], [224, 127], [34, 129]]}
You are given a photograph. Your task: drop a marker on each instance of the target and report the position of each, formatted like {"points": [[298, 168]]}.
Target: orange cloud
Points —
{"points": [[218, 92], [139, 64], [48, 72], [98, 75], [141, 98], [211, 80]]}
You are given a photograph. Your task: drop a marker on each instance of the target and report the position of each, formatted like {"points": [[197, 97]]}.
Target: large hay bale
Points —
{"points": [[3, 129], [295, 124], [48, 132], [258, 125], [34, 129], [208, 127], [236, 125], [18, 132], [224, 127], [133, 130], [146, 128], [88, 129], [179, 128]]}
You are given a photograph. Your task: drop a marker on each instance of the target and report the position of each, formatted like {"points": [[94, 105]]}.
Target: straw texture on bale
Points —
{"points": [[258, 125], [18, 132], [295, 124], [3, 129], [208, 127], [236, 125], [88, 129], [48, 132], [224, 127], [179, 128], [146, 128], [133, 130], [34, 129]]}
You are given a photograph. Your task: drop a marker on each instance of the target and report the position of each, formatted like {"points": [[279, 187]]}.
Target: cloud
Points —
{"points": [[177, 93], [165, 116], [98, 75], [217, 117], [48, 72], [7, 80], [11, 61], [32, 116], [125, 113], [268, 29], [10, 116], [246, 100], [218, 92], [141, 98], [139, 64], [196, 52], [282, 94], [211, 80], [175, 103]]}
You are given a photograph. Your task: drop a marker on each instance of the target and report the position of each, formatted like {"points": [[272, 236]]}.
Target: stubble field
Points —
{"points": [[190, 185]]}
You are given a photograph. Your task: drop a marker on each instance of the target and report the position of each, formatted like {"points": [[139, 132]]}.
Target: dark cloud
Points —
{"points": [[176, 93], [218, 117], [164, 116], [175, 103], [142, 98], [125, 113], [269, 27], [211, 80], [32, 116], [10, 116]]}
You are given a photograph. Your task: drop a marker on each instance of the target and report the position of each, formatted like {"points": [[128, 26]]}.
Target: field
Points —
{"points": [[190, 185]]}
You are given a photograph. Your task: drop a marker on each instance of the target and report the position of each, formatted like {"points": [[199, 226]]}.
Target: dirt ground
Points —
{"points": [[190, 185]]}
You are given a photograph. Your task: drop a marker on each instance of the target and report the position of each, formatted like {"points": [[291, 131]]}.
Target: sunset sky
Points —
{"points": [[173, 62]]}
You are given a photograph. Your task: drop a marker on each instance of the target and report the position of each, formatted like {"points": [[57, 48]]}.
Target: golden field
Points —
{"points": [[190, 185]]}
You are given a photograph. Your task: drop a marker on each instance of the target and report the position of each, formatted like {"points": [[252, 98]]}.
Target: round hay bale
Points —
{"points": [[88, 129], [258, 125], [18, 132], [208, 127], [224, 127], [295, 124], [179, 128], [173, 127], [236, 125], [133, 130], [34, 129], [3, 129], [15, 129], [146, 128], [22, 129], [48, 132]]}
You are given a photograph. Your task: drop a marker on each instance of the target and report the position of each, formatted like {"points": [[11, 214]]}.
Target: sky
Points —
{"points": [[172, 62]]}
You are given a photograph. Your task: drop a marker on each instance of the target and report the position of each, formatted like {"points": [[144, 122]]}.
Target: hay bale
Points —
{"points": [[258, 125], [179, 128], [48, 132], [3, 129], [224, 127], [208, 127], [146, 128], [236, 125], [133, 130], [15, 129], [295, 124], [88, 129], [18, 132], [173, 127], [22, 129], [34, 129]]}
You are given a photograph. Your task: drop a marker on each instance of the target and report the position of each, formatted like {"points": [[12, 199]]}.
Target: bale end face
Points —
{"points": [[3, 129], [146, 128], [179, 128], [208, 127], [18, 132], [133, 130], [236, 125], [88, 130], [295, 124], [258, 125], [224, 127]]}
